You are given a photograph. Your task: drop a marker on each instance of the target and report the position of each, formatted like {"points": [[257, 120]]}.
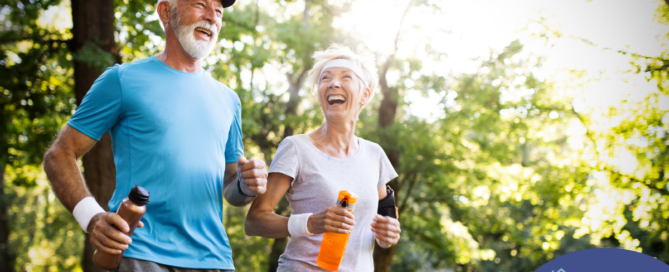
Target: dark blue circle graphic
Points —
{"points": [[606, 260]]}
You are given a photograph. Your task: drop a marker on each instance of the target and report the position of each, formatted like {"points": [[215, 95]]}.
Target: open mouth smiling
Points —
{"points": [[203, 30], [336, 99]]}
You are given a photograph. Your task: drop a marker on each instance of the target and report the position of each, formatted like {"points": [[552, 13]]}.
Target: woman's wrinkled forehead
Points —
{"points": [[336, 70], [344, 63]]}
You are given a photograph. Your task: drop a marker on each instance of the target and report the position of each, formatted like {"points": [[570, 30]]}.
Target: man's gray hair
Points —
{"points": [[171, 2]]}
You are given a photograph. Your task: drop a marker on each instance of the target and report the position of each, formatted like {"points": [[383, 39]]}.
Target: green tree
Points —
{"points": [[496, 180], [634, 157], [36, 87]]}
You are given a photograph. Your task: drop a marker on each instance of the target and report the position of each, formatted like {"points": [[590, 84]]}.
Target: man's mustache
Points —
{"points": [[206, 25]]}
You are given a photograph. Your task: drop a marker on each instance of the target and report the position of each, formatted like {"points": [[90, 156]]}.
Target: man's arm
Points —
{"points": [[60, 165], [253, 181], [230, 190]]}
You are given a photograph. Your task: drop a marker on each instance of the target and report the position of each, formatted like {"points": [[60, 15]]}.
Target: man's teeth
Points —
{"points": [[336, 97], [203, 31]]}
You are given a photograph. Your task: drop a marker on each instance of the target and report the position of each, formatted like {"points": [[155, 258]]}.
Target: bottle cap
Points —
{"points": [[347, 200], [139, 195]]}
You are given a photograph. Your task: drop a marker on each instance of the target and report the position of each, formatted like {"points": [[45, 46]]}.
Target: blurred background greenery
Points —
{"points": [[521, 130]]}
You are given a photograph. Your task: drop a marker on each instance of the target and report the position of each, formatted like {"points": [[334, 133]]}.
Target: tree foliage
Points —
{"points": [[505, 176]]}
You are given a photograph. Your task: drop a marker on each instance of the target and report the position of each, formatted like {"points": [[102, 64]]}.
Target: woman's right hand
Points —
{"points": [[334, 219]]}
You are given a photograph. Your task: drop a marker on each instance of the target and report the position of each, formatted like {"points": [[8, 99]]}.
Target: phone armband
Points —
{"points": [[387, 205]]}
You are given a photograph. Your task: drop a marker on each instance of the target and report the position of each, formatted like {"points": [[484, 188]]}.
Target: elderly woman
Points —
{"points": [[310, 169]]}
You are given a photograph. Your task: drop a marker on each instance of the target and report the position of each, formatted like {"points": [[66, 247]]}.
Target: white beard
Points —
{"points": [[186, 35]]}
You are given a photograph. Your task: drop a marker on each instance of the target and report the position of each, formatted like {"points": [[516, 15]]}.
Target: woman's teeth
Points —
{"points": [[336, 99]]}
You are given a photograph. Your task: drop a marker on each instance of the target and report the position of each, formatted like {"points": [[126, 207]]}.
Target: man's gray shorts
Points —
{"points": [[135, 265]]}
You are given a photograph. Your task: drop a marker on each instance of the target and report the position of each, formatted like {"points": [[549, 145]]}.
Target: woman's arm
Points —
{"points": [[261, 219], [383, 193], [387, 229]]}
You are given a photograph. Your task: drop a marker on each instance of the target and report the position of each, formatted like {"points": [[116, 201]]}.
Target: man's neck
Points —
{"points": [[176, 57]]}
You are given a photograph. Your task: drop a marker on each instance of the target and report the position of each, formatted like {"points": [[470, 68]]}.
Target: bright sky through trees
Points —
{"points": [[467, 31], [572, 35], [591, 33]]}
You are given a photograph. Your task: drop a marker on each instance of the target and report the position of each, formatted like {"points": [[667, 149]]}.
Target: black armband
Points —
{"points": [[239, 187], [387, 205]]}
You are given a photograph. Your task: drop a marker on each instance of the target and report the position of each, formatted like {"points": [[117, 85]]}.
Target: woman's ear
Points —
{"points": [[366, 96]]}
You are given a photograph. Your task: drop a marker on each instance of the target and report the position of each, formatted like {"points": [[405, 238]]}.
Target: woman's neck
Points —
{"points": [[337, 140]]}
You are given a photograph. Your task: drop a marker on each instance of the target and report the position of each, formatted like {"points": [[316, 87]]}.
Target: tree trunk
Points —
{"points": [[6, 260], [279, 244], [93, 22], [383, 257], [100, 175], [294, 97]]}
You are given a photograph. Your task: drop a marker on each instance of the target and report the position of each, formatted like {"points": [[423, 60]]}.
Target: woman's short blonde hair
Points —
{"points": [[336, 51]]}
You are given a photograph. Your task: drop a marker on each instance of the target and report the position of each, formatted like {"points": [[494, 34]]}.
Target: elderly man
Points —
{"points": [[175, 131]]}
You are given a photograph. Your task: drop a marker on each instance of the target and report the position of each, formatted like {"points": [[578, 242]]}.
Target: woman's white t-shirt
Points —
{"points": [[317, 180]]}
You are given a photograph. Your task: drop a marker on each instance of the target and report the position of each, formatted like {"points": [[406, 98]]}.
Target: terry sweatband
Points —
{"points": [[85, 210], [344, 63], [387, 205], [297, 224]]}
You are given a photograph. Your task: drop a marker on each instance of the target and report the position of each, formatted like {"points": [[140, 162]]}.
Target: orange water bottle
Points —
{"points": [[334, 244]]}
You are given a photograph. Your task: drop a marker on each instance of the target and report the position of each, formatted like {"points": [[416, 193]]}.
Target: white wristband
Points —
{"points": [[85, 210], [297, 224]]}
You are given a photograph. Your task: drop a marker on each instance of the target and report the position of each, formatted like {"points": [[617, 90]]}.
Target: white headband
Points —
{"points": [[344, 63]]}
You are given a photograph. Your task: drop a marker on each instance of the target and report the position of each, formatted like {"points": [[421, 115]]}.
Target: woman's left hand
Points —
{"points": [[387, 230]]}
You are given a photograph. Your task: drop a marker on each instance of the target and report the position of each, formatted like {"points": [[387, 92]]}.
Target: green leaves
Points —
{"points": [[95, 57], [504, 176]]}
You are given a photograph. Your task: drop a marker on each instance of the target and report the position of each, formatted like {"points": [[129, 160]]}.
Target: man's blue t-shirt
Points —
{"points": [[172, 133]]}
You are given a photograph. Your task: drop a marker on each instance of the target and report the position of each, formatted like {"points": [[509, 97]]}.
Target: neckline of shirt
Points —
{"points": [[305, 137], [161, 63]]}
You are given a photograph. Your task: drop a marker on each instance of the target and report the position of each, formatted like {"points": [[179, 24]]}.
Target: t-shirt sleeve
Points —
{"points": [[234, 148], [386, 170], [285, 160], [101, 107]]}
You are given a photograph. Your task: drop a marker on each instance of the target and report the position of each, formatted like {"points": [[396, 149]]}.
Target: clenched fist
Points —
{"points": [[109, 232], [253, 176]]}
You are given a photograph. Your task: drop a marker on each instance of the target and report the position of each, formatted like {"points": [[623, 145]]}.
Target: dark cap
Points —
{"points": [[227, 3], [139, 195]]}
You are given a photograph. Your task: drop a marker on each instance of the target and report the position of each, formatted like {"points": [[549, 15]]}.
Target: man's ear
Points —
{"points": [[164, 11]]}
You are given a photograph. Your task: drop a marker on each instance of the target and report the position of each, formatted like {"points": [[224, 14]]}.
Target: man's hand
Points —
{"points": [[109, 232], [253, 175]]}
